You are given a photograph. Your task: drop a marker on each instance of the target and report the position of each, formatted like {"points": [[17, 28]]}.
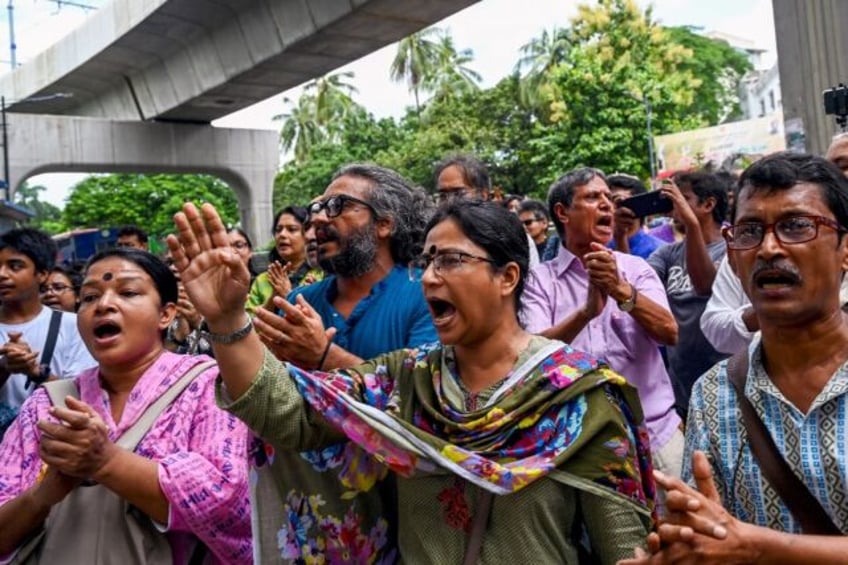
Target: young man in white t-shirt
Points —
{"points": [[26, 257]]}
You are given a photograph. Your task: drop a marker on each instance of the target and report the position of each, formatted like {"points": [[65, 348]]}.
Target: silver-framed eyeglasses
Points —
{"points": [[443, 263], [335, 205], [788, 231], [56, 288]]}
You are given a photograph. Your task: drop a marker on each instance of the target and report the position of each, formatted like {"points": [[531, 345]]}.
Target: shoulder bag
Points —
{"points": [[801, 503], [92, 524]]}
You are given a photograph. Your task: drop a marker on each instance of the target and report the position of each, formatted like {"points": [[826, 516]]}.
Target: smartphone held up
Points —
{"points": [[647, 204]]}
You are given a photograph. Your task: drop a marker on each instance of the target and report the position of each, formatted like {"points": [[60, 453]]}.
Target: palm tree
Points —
{"points": [[539, 56], [318, 114], [416, 57], [332, 96], [300, 129], [451, 77]]}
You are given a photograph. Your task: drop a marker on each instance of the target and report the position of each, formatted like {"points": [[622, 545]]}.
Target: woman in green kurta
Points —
{"points": [[555, 435], [288, 267]]}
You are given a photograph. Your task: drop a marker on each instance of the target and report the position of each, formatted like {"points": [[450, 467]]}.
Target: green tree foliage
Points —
{"points": [[491, 124], [47, 216], [316, 116], [148, 201], [539, 57], [361, 138], [417, 56], [620, 62], [720, 68], [451, 76], [578, 96]]}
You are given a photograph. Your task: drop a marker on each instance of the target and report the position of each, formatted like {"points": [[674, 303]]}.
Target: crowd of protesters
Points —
{"points": [[458, 377]]}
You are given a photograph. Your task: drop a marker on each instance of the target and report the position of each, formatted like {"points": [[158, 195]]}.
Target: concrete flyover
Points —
{"points": [[192, 61], [239, 157]]}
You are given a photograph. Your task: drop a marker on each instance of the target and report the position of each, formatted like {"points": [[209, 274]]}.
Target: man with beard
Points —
{"points": [[368, 226], [607, 303]]}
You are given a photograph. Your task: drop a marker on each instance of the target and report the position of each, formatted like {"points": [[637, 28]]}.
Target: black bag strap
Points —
{"points": [[52, 335], [801, 503], [478, 527], [47, 352]]}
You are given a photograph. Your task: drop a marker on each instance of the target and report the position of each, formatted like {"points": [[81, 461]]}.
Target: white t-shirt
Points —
{"points": [[70, 356]]}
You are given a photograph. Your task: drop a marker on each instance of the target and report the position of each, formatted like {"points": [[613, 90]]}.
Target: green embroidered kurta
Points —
{"points": [[261, 289], [538, 523]]}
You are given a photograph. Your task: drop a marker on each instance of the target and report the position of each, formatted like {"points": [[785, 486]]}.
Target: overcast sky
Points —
{"points": [[493, 29]]}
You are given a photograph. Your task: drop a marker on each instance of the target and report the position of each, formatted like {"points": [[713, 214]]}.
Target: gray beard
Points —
{"points": [[356, 256]]}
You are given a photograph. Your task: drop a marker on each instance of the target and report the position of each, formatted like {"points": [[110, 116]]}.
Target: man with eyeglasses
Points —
{"points": [[729, 322], [534, 216], [607, 303], [465, 176], [368, 226], [789, 248]]}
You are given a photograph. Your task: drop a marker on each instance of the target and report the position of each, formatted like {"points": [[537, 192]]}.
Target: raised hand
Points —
{"points": [[214, 276], [278, 276], [684, 210], [694, 511], [698, 529], [186, 310]]}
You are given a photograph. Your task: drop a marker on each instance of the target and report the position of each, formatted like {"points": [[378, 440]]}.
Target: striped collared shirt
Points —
{"points": [[815, 444]]}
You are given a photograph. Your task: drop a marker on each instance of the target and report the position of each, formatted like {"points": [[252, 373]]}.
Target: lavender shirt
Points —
{"points": [[555, 289]]}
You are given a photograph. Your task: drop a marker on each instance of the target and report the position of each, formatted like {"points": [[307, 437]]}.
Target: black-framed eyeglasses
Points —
{"points": [[788, 231], [240, 245], [335, 205], [446, 262]]}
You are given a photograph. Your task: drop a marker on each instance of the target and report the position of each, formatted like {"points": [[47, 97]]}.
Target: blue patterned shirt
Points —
{"points": [[815, 444]]}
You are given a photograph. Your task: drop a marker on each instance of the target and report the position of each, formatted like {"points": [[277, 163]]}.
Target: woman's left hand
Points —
{"points": [[214, 276], [278, 276], [79, 445]]}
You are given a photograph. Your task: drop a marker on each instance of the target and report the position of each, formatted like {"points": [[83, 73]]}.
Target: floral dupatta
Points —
{"points": [[569, 415]]}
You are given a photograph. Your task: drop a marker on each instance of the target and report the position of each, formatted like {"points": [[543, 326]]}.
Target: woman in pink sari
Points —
{"points": [[186, 481]]}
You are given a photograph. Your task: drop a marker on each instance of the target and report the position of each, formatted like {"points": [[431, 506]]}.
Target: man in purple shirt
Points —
{"points": [[607, 303]]}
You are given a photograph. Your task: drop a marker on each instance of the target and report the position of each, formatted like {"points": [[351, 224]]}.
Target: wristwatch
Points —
{"points": [[629, 304], [226, 339]]}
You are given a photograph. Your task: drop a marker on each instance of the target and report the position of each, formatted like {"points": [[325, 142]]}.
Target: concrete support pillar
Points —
{"points": [[812, 49], [246, 160]]}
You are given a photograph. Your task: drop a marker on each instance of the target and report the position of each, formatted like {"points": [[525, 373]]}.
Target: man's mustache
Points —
{"points": [[776, 267]]}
